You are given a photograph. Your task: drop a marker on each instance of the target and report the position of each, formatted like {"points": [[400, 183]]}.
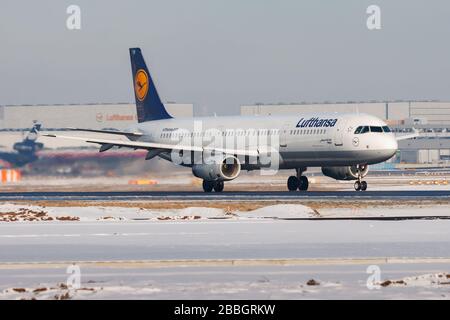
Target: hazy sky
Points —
{"points": [[221, 54]]}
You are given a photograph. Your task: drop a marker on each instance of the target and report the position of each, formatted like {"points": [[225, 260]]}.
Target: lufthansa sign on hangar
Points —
{"points": [[92, 116]]}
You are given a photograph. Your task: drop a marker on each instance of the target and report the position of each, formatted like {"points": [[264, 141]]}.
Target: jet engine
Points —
{"points": [[345, 173], [218, 168]]}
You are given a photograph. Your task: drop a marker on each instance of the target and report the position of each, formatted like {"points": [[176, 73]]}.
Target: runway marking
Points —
{"points": [[222, 263]]}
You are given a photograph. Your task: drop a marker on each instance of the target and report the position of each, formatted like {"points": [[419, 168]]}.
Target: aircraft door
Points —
{"points": [[283, 135], [339, 135]]}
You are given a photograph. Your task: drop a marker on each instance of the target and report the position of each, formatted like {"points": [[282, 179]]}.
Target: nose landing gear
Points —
{"points": [[360, 185]]}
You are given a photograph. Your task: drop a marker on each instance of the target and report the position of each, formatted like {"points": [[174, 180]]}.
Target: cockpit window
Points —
{"points": [[364, 129], [375, 129]]}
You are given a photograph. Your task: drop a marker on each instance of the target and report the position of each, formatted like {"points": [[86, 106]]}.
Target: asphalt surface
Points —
{"points": [[232, 196]]}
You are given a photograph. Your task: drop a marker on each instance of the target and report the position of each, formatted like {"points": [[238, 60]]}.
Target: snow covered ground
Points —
{"points": [[398, 281], [29, 213], [133, 252], [16, 212]]}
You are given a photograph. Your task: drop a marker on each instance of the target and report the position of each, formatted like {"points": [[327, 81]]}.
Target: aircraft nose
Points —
{"points": [[391, 144]]}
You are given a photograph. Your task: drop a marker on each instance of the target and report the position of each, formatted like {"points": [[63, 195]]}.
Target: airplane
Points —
{"points": [[25, 151], [342, 144]]}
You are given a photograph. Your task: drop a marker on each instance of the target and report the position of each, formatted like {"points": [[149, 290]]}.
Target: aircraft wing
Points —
{"points": [[408, 136], [122, 133], [107, 144]]}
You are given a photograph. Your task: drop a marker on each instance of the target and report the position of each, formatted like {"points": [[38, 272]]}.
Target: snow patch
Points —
{"points": [[425, 280], [281, 211], [203, 212]]}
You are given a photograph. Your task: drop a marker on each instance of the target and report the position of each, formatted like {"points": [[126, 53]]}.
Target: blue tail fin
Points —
{"points": [[148, 105]]}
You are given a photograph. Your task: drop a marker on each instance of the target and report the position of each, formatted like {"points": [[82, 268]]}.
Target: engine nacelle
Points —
{"points": [[345, 173], [218, 168]]}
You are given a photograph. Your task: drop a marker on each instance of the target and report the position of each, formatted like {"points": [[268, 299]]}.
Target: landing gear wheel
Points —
{"points": [[303, 183], [363, 186], [293, 183], [357, 186], [218, 186], [208, 186]]}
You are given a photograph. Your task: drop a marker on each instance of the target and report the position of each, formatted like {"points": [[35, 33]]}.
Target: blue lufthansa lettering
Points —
{"points": [[298, 123], [316, 123]]}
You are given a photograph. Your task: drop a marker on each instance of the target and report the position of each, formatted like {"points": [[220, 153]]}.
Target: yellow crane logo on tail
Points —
{"points": [[141, 84]]}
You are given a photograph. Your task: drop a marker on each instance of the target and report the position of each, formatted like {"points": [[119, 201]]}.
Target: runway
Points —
{"points": [[225, 196]]}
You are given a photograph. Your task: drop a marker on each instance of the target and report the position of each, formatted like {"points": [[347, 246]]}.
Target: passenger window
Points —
{"points": [[386, 129], [376, 129]]}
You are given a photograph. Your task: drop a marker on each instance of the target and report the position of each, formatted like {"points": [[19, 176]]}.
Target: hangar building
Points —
{"points": [[15, 120], [92, 116]]}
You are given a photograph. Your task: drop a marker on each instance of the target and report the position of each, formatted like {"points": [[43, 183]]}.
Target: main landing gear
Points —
{"points": [[298, 182], [209, 186], [360, 185]]}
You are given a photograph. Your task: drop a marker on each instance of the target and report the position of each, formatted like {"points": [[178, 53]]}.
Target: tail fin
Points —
{"points": [[148, 105], [32, 135]]}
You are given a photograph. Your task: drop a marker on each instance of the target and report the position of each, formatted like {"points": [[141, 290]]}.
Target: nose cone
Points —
{"points": [[391, 145]]}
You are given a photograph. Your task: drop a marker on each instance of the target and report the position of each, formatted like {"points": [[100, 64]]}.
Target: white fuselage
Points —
{"points": [[304, 140]]}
